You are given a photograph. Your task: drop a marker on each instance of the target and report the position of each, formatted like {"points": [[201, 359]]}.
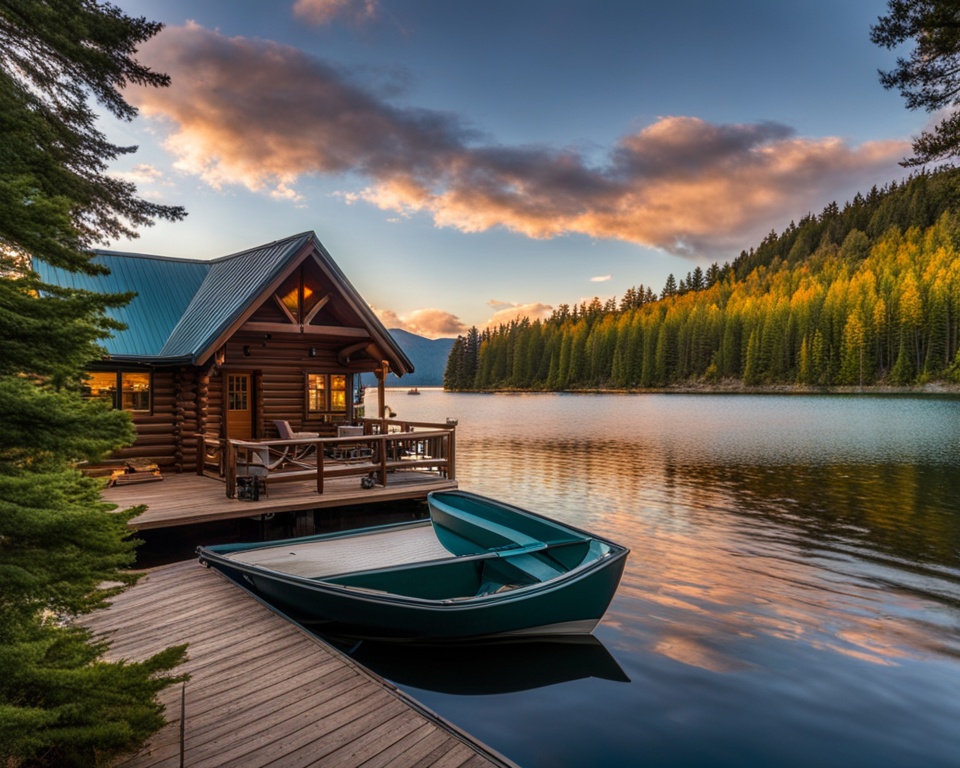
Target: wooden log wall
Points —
{"points": [[187, 400], [167, 435], [280, 365]]}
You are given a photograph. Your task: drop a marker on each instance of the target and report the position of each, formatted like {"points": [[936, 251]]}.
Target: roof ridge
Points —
{"points": [[131, 254], [246, 251]]}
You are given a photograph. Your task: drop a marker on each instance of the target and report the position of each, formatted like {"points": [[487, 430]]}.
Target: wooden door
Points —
{"points": [[239, 406]]}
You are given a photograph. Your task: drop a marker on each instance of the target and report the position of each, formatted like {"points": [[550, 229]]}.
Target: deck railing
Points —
{"points": [[383, 447]]}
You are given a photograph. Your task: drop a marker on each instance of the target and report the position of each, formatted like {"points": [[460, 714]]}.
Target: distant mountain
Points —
{"points": [[429, 358]]}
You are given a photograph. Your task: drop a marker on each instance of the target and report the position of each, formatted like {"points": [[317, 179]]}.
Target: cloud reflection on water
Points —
{"points": [[849, 558]]}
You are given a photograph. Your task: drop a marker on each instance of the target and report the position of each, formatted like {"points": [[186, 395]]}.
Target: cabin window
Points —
{"points": [[326, 392], [301, 296], [129, 390], [135, 391], [316, 392], [238, 394], [338, 392]]}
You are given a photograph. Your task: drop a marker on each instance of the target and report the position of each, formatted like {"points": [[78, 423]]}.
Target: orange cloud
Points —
{"points": [[324, 11], [431, 323], [265, 115], [510, 312]]}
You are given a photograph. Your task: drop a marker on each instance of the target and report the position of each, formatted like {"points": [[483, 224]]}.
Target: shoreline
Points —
{"points": [[934, 388]]}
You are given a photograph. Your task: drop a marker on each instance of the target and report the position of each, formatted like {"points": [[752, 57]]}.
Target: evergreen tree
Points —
{"points": [[60, 702], [930, 78], [712, 276], [696, 281], [670, 287], [453, 373]]}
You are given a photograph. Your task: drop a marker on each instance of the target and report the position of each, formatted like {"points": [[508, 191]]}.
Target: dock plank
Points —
{"points": [[411, 747], [262, 691]]}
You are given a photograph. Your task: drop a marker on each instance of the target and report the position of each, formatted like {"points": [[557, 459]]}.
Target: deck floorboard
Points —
{"points": [[186, 499], [262, 691]]}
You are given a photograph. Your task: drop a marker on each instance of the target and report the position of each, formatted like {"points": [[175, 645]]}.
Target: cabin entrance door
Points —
{"points": [[239, 406]]}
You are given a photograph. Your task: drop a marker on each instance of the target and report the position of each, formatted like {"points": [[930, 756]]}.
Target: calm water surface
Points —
{"points": [[792, 597]]}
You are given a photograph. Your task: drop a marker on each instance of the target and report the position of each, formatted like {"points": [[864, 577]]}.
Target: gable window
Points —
{"points": [[129, 390], [326, 392], [301, 296]]}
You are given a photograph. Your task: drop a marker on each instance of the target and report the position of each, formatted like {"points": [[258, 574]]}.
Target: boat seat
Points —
{"points": [[532, 566], [485, 535]]}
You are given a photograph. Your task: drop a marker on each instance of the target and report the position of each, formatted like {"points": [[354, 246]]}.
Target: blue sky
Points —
{"points": [[466, 162]]}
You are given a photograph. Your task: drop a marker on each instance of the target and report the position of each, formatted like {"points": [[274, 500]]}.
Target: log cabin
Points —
{"points": [[224, 347]]}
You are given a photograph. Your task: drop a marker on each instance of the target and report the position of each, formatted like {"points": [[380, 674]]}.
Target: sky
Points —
{"points": [[466, 163]]}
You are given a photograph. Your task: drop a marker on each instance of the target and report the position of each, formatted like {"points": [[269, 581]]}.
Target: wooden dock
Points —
{"points": [[184, 499], [263, 691]]}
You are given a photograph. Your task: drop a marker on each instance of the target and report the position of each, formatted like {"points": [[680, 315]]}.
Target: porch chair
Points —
{"points": [[286, 433]]}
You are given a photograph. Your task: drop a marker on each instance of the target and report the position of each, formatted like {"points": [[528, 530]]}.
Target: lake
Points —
{"points": [[792, 597]]}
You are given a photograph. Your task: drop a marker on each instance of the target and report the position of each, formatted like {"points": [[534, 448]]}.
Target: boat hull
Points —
{"points": [[571, 603]]}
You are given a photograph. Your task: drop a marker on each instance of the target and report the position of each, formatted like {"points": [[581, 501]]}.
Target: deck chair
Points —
{"points": [[351, 450], [286, 433]]}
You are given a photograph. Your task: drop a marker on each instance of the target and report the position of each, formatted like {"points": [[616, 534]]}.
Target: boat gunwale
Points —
{"points": [[445, 604], [236, 548], [525, 513]]}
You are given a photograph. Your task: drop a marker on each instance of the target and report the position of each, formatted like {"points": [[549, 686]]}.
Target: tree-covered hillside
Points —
{"points": [[861, 295]]}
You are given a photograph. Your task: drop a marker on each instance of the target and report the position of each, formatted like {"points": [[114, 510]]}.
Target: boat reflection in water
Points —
{"points": [[491, 668]]}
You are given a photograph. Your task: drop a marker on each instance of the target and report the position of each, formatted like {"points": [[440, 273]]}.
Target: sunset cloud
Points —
{"points": [[431, 323], [509, 312], [266, 116], [324, 11], [600, 278], [141, 174]]}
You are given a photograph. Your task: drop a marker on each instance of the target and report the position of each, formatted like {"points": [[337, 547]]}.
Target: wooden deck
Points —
{"points": [[262, 691], [187, 498]]}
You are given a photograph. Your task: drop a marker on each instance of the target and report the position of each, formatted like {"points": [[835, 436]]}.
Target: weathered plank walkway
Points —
{"points": [[188, 498], [264, 692]]}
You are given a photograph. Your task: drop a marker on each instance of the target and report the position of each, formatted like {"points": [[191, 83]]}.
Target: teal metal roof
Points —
{"points": [[183, 306], [227, 291], [164, 290]]}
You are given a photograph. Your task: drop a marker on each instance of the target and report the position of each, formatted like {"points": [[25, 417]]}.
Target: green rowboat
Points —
{"points": [[477, 569]]}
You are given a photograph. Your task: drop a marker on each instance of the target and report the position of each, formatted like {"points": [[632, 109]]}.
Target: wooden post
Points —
{"points": [[382, 372], [201, 452], [383, 460], [230, 469], [452, 455], [319, 466]]}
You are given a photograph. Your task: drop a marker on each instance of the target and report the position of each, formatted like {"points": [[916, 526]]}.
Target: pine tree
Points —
{"points": [[670, 287], [751, 366], [60, 702], [929, 78], [453, 373]]}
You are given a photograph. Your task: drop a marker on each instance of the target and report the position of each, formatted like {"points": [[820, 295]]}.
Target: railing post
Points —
{"points": [[319, 466], [230, 470], [452, 455], [201, 453], [383, 461]]}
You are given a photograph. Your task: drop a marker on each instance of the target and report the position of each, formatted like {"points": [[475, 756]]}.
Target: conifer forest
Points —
{"points": [[860, 295]]}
